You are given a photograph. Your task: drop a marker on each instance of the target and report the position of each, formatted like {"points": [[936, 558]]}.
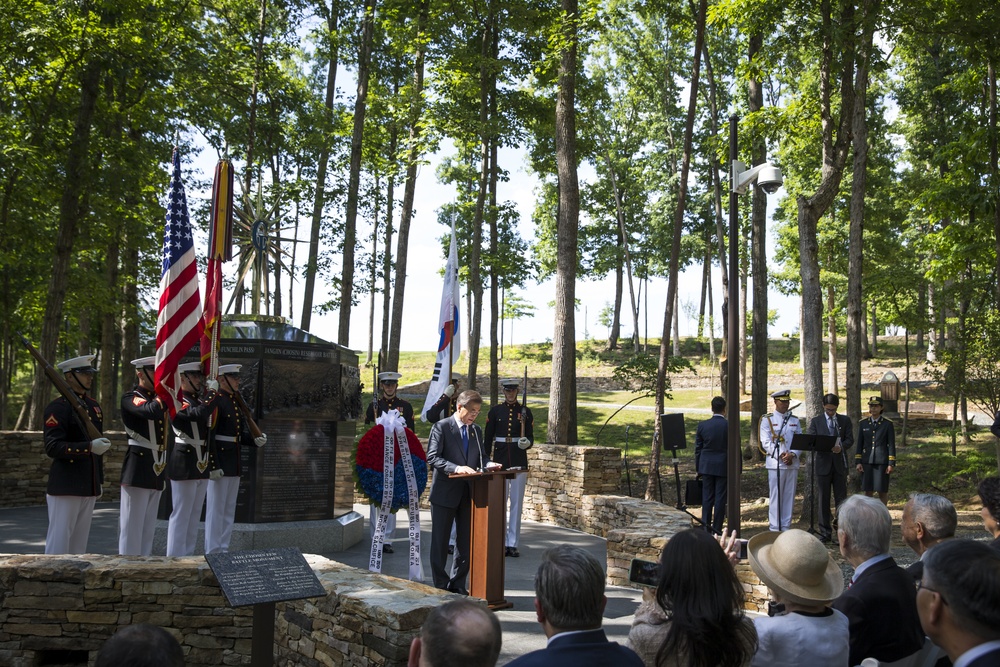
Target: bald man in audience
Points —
{"points": [[461, 633]]}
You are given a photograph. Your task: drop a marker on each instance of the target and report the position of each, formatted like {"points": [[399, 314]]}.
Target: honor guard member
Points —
{"points": [[446, 404], [876, 453], [388, 382], [142, 480], [77, 471], [188, 465], [230, 433], [782, 463], [505, 445]]}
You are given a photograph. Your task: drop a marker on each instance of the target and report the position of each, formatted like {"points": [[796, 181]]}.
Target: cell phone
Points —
{"points": [[743, 548], [644, 572]]}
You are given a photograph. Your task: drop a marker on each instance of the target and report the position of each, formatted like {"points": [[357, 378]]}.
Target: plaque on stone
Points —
{"points": [[264, 575]]}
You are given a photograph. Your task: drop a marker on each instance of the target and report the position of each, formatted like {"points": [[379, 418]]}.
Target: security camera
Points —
{"points": [[769, 179]]}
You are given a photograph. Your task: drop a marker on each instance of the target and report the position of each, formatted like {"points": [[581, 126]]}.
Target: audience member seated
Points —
{"points": [[696, 616], [140, 645], [801, 575], [880, 603], [959, 601], [569, 604], [989, 494], [460, 632], [927, 520]]}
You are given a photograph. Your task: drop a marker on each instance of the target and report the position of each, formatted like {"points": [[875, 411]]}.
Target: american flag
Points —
{"points": [[178, 320]]}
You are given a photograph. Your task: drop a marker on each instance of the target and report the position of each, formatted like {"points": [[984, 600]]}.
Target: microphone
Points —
{"points": [[482, 454]]}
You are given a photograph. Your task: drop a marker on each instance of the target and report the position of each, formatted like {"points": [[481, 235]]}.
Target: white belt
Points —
{"points": [[225, 438], [506, 439]]}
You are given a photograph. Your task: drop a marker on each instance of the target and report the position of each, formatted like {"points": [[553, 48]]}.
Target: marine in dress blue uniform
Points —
{"points": [[142, 478], [231, 432], [876, 453], [77, 472], [782, 463], [188, 463], [505, 445]]}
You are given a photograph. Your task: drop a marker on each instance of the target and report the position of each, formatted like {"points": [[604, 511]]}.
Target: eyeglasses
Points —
{"points": [[920, 585]]}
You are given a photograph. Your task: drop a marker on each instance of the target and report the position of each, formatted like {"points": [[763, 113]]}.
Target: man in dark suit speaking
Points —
{"points": [[455, 446], [711, 441], [831, 467]]}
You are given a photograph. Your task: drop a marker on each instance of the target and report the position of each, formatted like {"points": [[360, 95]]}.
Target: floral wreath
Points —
{"points": [[368, 467]]}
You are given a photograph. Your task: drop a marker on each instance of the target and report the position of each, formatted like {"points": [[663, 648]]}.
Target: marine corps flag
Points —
{"points": [[220, 249], [449, 343]]}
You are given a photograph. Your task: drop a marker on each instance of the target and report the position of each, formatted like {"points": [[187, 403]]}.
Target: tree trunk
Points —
{"points": [[71, 212], [991, 72], [562, 395], [494, 241], [409, 188], [354, 179], [831, 323], [390, 204], [374, 276], [743, 328], [623, 240], [109, 335], [758, 267], [616, 314], [319, 197], [675, 249], [706, 279]]}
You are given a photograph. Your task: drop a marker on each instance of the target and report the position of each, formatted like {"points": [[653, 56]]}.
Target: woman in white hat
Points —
{"points": [[802, 575]]}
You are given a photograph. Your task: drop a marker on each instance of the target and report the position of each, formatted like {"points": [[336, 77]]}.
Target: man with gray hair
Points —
{"points": [[927, 520], [957, 601], [459, 632], [880, 603], [569, 604]]}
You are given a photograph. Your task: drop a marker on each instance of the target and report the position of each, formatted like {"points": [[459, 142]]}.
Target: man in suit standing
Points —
{"points": [[711, 440], [957, 601], [927, 520], [831, 467], [569, 604], [455, 446], [880, 604]]}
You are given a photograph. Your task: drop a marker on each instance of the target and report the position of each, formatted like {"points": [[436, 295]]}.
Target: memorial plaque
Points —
{"points": [[265, 575]]}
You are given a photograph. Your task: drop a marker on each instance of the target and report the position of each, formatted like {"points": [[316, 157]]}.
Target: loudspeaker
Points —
{"points": [[672, 430]]}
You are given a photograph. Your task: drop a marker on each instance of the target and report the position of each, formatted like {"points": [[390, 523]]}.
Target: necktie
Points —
{"points": [[833, 427], [465, 439]]}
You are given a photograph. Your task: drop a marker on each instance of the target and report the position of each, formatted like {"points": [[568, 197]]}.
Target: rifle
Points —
{"points": [[61, 385], [524, 402], [242, 405]]}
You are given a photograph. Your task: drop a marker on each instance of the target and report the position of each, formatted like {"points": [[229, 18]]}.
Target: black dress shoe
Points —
{"points": [[512, 552], [387, 548]]}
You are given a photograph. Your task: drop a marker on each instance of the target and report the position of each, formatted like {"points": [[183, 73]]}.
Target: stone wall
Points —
{"points": [[25, 469], [60, 610]]}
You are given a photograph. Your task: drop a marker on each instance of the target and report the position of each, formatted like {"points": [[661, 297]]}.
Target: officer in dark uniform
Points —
{"points": [[446, 405], [388, 383], [505, 445], [77, 471], [231, 432], [142, 480], [189, 463], [876, 453]]}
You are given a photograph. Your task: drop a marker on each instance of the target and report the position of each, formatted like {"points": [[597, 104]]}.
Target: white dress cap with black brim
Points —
{"points": [[190, 367], [84, 364], [230, 369], [144, 362], [782, 395], [389, 376], [510, 382]]}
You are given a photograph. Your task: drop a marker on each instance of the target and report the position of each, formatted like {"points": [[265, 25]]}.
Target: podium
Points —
{"points": [[808, 442], [486, 559]]}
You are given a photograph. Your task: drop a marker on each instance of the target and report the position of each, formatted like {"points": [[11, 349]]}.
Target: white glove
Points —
{"points": [[212, 385], [99, 445], [523, 443], [449, 391], [216, 474], [260, 440]]}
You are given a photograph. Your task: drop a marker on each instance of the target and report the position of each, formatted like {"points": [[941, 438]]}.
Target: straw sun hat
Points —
{"points": [[796, 566]]}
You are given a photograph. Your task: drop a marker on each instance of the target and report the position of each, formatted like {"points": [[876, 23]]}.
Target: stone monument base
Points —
{"points": [[317, 537]]}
